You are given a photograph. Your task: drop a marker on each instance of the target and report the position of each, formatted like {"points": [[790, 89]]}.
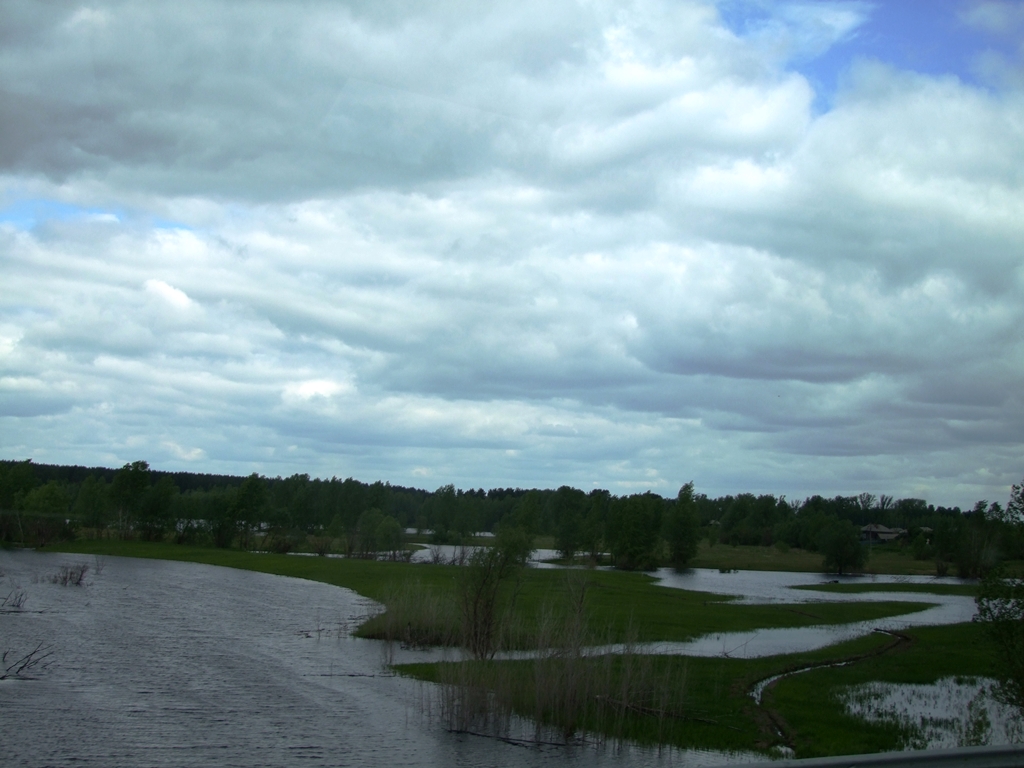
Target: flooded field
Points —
{"points": [[953, 712], [177, 664]]}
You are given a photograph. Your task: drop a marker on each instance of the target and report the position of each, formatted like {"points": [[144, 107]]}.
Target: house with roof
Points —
{"points": [[876, 532]]}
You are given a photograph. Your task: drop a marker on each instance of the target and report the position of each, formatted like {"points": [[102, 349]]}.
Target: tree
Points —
{"points": [[367, 528], [633, 531], [1014, 513], [840, 543], [444, 507], [481, 583], [51, 499], [567, 511], [130, 482], [220, 517], [47, 508], [1001, 609], [154, 510], [593, 523], [248, 507], [683, 529], [16, 479], [977, 540], [389, 536], [91, 503]]}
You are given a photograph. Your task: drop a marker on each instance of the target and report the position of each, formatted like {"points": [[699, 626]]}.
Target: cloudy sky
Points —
{"points": [[766, 246]]}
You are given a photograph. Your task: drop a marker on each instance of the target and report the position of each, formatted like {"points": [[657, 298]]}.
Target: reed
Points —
{"points": [[416, 615], [569, 693]]}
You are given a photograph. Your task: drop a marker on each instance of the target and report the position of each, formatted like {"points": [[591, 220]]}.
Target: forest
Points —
{"points": [[41, 503]]}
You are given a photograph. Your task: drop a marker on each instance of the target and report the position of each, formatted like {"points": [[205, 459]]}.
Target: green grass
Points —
{"points": [[706, 703], [810, 703], [629, 603], [969, 590], [621, 605], [702, 703], [750, 558]]}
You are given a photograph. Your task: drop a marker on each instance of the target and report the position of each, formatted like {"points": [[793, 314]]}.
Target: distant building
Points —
{"points": [[876, 532]]}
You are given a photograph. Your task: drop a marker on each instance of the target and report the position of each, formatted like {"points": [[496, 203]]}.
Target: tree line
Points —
{"points": [[40, 503]]}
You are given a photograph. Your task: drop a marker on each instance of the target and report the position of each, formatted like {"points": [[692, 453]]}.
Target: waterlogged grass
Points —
{"points": [[705, 702], [620, 605], [968, 590], [811, 703], [700, 703]]}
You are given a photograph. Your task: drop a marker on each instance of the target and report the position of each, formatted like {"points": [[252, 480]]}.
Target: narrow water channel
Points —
{"points": [[777, 587]]}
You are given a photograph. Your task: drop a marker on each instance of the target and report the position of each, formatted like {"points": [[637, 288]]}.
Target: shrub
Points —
{"points": [[70, 575]]}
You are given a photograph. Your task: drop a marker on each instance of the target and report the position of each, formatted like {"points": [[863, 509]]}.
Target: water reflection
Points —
{"points": [[458, 554], [777, 586], [161, 663], [952, 712]]}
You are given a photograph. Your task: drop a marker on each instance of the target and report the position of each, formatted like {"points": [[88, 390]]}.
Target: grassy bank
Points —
{"points": [[620, 605], [815, 717], [705, 702], [967, 590], [699, 703]]}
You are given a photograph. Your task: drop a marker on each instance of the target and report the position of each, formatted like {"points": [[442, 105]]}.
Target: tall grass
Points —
{"points": [[417, 615], [568, 693]]}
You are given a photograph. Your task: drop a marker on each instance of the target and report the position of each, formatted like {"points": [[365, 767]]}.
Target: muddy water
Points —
{"points": [[178, 664]]}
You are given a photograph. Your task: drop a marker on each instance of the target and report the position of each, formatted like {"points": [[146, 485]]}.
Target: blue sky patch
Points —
{"points": [[29, 213], [822, 39]]}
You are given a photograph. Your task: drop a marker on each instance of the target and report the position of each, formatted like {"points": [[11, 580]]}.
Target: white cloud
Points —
{"points": [[995, 16], [184, 454], [173, 296], [508, 247]]}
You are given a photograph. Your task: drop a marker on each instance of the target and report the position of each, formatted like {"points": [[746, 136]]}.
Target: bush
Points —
{"points": [[70, 575], [922, 547], [1001, 609]]}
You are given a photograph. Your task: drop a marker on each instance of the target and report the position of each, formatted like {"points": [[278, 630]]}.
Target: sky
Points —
{"points": [[769, 247]]}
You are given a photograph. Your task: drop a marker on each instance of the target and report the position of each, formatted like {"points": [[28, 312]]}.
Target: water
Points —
{"points": [[952, 712], [450, 553], [178, 664], [777, 587]]}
